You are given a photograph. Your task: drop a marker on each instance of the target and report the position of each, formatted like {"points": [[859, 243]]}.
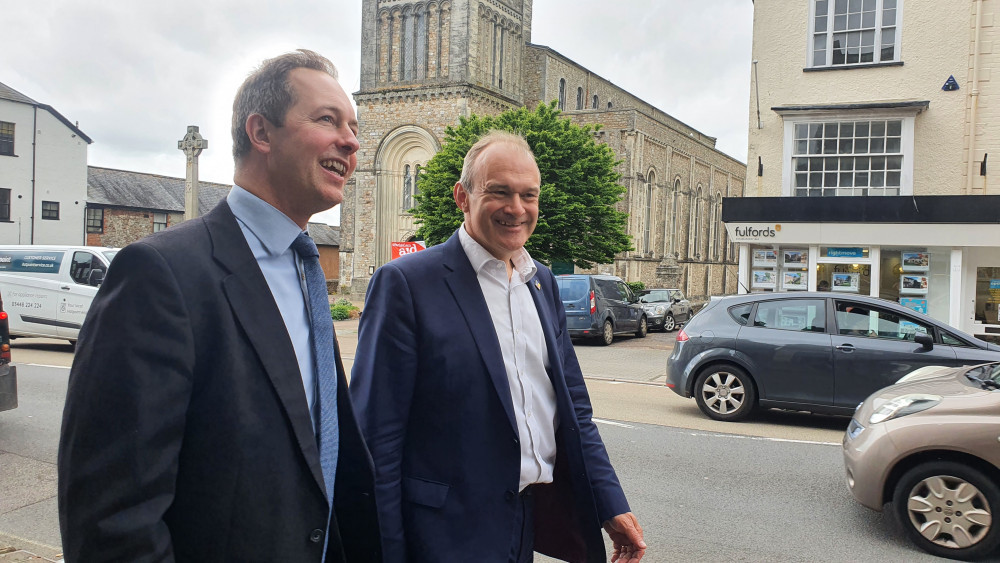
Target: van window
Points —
{"points": [[83, 264], [572, 289], [609, 289]]}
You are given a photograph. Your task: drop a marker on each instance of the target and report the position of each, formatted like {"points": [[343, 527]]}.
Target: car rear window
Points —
{"points": [[741, 313], [572, 289], [807, 315]]}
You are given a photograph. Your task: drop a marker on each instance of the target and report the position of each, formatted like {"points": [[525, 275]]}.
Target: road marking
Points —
{"points": [[613, 423], [763, 438]]}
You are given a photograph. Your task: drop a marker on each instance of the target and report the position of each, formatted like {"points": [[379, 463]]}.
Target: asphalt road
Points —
{"points": [[770, 489]]}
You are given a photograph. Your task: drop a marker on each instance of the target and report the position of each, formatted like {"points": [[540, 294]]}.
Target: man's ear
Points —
{"points": [[461, 197], [258, 129]]}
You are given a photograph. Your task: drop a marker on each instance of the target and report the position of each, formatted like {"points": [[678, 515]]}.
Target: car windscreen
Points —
{"points": [[110, 254], [572, 289], [656, 296]]}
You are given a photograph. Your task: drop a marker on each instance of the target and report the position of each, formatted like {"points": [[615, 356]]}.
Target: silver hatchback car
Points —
{"points": [[820, 352], [928, 445]]}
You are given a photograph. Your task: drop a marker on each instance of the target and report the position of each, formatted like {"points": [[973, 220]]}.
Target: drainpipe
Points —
{"points": [[34, 160], [975, 100]]}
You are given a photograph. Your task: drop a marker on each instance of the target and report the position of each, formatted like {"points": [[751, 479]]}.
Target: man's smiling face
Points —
{"points": [[502, 209]]}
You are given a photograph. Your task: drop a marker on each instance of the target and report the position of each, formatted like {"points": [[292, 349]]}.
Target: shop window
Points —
{"points": [[853, 32], [839, 157], [805, 315], [988, 295], [779, 268]]}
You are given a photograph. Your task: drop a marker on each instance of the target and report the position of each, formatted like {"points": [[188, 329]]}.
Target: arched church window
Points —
{"points": [[646, 241], [673, 219], [407, 189], [421, 49], [609, 105], [696, 223], [416, 184], [562, 93], [579, 98], [717, 225], [594, 104]]}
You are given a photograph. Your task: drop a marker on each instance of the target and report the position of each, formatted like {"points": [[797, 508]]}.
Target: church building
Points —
{"points": [[426, 63]]}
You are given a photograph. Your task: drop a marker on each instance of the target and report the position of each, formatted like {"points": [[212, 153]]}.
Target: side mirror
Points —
{"points": [[96, 278], [677, 299], [924, 340]]}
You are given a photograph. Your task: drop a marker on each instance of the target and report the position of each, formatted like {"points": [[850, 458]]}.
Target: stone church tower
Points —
{"points": [[423, 65]]}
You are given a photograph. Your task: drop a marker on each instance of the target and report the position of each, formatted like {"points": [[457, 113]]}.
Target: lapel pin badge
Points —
{"points": [[538, 285]]}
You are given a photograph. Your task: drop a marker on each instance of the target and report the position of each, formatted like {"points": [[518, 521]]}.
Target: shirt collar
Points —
{"points": [[479, 256], [273, 228]]}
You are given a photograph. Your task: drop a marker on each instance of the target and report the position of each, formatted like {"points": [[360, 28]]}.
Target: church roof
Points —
{"points": [[122, 188]]}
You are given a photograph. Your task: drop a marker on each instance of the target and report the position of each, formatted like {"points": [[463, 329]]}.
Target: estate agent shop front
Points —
{"points": [[939, 255]]}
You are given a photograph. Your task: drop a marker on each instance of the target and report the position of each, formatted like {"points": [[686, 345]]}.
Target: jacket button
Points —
{"points": [[316, 535], [509, 495]]}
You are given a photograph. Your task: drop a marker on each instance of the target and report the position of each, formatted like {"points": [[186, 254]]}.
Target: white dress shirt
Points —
{"points": [[525, 356], [270, 234]]}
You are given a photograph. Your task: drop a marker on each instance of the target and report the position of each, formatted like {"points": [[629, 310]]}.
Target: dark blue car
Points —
{"points": [[600, 306]]}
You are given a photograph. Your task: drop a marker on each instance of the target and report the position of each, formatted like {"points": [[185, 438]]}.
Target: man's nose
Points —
{"points": [[349, 143], [515, 205]]}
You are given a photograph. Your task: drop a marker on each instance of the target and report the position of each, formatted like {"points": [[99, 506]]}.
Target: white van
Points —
{"points": [[47, 290]]}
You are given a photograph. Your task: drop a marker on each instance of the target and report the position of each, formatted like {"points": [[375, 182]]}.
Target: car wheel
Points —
{"points": [[643, 327], [608, 333], [669, 323], [725, 392], [947, 509]]}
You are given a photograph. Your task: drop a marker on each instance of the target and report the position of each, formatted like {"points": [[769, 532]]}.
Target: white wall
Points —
{"points": [[60, 173]]}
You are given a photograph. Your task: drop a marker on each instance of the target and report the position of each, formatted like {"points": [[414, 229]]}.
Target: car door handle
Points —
{"points": [[846, 347], [66, 287]]}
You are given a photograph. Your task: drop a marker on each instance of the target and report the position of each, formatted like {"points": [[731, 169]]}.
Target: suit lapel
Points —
{"points": [[464, 286], [541, 299], [255, 309]]}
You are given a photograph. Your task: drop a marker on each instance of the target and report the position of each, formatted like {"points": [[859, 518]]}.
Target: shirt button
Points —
{"points": [[316, 535]]}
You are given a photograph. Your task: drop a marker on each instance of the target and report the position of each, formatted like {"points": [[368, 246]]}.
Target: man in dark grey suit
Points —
{"points": [[191, 421]]}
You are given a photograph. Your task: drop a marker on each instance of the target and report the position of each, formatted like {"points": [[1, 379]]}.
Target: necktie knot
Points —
{"points": [[304, 246]]}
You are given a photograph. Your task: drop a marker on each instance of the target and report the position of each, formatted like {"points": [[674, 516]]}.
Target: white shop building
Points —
{"points": [[939, 255]]}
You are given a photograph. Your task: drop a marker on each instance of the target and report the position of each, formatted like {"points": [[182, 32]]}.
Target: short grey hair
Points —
{"points": [[470, 166], [267, 92]]}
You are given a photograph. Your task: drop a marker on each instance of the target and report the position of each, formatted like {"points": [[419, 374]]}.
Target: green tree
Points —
{"points": [[577, 219]]}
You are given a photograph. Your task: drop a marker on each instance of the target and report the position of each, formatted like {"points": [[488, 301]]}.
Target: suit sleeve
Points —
{"points": [[123, 421], [603, 480], [382, 382]]}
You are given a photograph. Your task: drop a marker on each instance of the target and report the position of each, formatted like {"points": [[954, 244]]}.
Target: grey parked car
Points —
{"points": [[817, 352], [665, 308], [600, 306]]}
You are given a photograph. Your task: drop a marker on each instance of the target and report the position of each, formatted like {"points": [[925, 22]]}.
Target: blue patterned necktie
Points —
{"points": [[321, 325]]}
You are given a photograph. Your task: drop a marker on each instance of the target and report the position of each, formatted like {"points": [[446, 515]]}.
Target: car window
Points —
{"points": [[950, 340], [741, 313], [808, 315], [572, 289], [625, 291], [858, 319], [677, 295], [655, 296]]}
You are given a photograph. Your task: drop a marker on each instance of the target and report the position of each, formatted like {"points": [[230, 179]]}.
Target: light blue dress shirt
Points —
{"points": [[270, 233]]}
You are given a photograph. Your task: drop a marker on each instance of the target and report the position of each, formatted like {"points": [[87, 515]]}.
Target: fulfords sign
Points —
{"points": [[753, 233]]}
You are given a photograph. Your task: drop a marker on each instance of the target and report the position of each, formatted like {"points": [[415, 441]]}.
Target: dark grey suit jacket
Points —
{"points": [[186, 434]]}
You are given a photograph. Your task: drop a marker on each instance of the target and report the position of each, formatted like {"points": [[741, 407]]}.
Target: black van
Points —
{"points": [[8, 373], [600, 306]]}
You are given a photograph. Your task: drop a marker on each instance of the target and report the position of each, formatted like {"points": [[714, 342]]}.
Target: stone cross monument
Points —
{"points": [[192, 144]]}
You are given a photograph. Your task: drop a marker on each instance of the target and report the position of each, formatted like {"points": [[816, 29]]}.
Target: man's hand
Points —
{"points": [[626, 534]]}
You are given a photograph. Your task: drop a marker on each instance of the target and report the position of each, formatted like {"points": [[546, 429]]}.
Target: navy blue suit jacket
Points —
{"points": [[434, 404]]}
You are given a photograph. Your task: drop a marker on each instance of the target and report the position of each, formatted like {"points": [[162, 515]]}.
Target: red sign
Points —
{"points": [[403, 248]]}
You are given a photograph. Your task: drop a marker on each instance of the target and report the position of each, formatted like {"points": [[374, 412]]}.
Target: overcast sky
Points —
{"points": [[135, 74]]}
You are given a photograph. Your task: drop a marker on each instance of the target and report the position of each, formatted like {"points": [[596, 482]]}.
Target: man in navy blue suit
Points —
{"points": [[470, 396]]}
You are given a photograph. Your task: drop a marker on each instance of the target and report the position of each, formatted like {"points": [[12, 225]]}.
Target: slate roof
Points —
{"points": [[323, 234], [122, 188], [8, 93], [138, 190]]}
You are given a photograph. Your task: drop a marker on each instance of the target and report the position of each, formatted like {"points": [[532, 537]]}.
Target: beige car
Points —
{"points": [[930, 445]]}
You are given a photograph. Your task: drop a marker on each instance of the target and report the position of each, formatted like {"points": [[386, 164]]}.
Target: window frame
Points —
{"points": [[4, 141], [811, 35], [5, 197], [162, 224], [47, 213], [94, 226], [906, 115]]}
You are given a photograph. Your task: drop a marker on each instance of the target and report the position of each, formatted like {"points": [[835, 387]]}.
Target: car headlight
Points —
{"points": [[660, 309], [902, 406], [854, 429]]}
